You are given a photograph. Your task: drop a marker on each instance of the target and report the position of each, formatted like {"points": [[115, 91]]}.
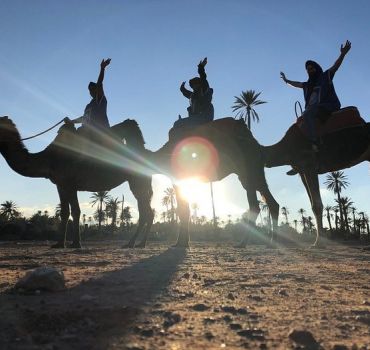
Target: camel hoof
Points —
{"points": [[59, 245], [181, 245], [317, 246], [141, 245], [76, 245], [128, 245], [241, 245]]}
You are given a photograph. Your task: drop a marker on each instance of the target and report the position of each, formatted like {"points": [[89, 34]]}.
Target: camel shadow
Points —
{"points": [[101, 311]]}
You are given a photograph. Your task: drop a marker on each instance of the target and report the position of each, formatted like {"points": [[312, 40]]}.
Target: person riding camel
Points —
{"points": [[201, 108], [94, 119], [319, 93]]}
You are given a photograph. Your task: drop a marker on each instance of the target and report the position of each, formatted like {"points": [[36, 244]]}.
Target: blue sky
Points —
{"points": [[52, 49]]}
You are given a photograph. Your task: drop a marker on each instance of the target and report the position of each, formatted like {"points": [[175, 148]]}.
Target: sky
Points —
{"points": [[51, 50]]}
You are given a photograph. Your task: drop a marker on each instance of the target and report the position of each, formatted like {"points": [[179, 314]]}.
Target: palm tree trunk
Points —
{"points": [[249, 118], [100, 214], [329, 221], [340, 206]]}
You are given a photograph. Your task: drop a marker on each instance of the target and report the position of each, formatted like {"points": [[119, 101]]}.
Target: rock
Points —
{"points": [[172, 318], [42, 278], [283, 292], [147, 333], [209, 320], [200, 307], [303, 337], [252, 333], [235, 326], [209, 335], [339, 347], [231, 296]]}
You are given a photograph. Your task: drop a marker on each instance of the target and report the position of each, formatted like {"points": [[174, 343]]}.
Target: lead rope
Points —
{"points": [[295, 109], [43, 132]]}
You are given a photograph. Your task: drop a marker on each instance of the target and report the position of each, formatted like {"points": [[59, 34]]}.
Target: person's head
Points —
{"points": [[92, 89], [313, 69], [195, 83]]}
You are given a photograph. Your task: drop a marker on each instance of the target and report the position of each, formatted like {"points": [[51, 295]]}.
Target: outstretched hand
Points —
{"points": [[203, 62], [282, 76], [345, 48], [105, 63], [182, 85]]}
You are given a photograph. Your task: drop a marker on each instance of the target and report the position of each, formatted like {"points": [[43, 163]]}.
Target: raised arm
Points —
{"points": [[343, 52], [99, 83], [293, 83], [202, 73], [184, 90]]}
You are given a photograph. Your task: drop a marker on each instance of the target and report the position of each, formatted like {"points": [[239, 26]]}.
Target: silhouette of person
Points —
{"points": [[95, 117], [200, 98], [319, 93]]}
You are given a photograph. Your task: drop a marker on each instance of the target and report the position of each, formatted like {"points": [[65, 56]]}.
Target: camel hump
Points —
{"points": [[191, 129], [347, 117]]}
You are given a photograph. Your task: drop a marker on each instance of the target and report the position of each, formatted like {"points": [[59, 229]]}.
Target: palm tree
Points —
{"points": [[166, 203], [336, 181], [345, 203], [126, 216], [285, 212], [302, 212], [295, 224], [112, 209], [245, 104], [99, 198], [195, 207], [265, 209], [9, 210], [353, 209], [327, 209], [170, 193]]}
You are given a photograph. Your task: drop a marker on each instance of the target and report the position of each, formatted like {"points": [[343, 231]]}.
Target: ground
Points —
{"points": [[211, 296]]}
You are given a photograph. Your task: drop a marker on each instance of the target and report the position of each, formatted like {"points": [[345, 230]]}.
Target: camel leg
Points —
{"points": [[184, 216], [273, 208], [311, 182], [149, 217], [76, 213], [64, 216], [142, 190], [254, 210]]}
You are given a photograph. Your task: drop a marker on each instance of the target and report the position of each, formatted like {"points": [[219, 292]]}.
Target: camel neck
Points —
{"points": [[25, 163]]}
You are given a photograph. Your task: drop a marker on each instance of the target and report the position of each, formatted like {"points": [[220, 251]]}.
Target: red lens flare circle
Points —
{"points": [[194, 157]]}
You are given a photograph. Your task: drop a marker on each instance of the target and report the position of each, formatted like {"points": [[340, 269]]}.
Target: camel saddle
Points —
{"points": [[347, 117], [185, 130]]}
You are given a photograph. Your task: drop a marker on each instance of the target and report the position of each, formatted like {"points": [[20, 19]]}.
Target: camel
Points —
{"points": [[210, 152], [62, 163], [340, 149], [239, 152]]}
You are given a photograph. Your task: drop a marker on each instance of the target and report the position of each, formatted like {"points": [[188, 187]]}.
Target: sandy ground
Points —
{"points": [[207, 297]]}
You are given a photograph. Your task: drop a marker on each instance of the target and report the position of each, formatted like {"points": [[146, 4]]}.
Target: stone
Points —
{"points": [[302, 337], [42, 278], [200, 307]]}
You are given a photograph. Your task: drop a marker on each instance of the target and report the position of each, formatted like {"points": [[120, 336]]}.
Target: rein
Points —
{"points": [[43, 132], [297, 103]]}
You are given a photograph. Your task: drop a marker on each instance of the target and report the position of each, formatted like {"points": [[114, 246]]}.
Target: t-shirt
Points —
{"points": [[96, 113]]}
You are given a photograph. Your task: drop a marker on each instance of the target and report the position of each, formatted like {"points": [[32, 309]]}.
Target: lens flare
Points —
{"points": [[195, 157]]}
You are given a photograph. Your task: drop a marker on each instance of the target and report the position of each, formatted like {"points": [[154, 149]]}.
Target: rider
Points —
{"points": [[319, 92], [201, 108], [95, 117]]}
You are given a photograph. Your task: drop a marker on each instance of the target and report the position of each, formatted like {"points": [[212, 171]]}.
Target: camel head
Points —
{"points": [[8, 131]]}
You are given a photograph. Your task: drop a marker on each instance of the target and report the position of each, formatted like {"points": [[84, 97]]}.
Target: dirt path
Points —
{"points": [[208, 297]]}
